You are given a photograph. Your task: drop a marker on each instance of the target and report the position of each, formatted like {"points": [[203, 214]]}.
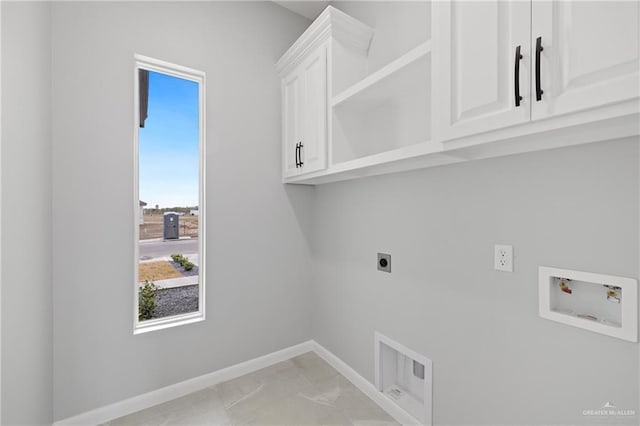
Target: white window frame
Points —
{"points": [[155, 65]]}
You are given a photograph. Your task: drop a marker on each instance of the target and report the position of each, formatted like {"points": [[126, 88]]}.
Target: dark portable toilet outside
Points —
{"points": [[171, 228]]}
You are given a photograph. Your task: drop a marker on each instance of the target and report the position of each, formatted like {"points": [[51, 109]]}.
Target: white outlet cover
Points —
{"points": [[503, 258]]}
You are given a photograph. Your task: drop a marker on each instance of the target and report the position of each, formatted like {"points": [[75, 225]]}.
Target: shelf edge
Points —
{"points": [[386, 158], [403, 61]]}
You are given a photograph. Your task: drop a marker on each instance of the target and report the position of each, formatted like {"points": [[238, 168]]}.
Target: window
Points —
{"points": [[169, 193]]}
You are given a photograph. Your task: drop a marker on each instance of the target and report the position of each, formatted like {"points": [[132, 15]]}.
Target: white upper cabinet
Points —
{"points": [[590, 54], [481, 51], [306, 76], [575, 55], [291, 117], [486, 78], [312, 152], [304, 115]]}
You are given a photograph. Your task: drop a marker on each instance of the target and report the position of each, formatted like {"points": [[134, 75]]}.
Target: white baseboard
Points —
{"points": [[365, 386], [159, 396], [168, 393]]}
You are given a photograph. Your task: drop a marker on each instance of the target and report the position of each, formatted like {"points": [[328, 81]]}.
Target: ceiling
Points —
{"points": [[309, 9]]}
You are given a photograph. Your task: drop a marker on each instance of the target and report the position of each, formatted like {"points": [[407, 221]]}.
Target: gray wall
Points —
{"points": [[495, 360], [399, 26], [26, 214], [258, 289]]}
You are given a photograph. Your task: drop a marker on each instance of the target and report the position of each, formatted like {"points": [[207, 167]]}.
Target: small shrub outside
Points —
{"points": [[147, 300], [183, 261]]}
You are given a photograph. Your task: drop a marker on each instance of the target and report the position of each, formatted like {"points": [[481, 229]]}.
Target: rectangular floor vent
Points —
{"points": [[404, 376]]}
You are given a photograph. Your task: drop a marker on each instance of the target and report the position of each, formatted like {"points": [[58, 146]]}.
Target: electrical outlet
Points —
{"points": [[503, 258], [384, 262]]}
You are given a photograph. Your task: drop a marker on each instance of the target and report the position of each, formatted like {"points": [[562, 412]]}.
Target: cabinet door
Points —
{"points": [[475, 46], [292, 122], [590, 54], [314, 112]]}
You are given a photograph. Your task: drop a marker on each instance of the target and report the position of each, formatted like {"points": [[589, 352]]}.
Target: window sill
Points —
{"points": [[169, 322]]}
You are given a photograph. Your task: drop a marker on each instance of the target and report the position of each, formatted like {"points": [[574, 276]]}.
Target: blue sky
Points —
{"points": [[169, 143]]}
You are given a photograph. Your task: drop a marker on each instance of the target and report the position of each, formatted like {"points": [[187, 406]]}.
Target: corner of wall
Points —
{"points": [[26, 343]]}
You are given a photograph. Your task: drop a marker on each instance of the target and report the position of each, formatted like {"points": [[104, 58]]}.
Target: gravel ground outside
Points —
{"points": [[175, 301]]}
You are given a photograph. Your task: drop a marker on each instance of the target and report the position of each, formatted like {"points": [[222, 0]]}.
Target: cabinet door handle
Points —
{"points": [[516, 79], [297, 151], [300, 151], [539, 49]]}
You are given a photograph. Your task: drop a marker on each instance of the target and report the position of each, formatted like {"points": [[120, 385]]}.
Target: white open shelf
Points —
{"points": [[417, 156], [604, 304], [396, 77], [388, 110]]}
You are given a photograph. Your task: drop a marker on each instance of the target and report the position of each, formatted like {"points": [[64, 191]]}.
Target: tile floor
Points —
{"points": [[304, 390]]}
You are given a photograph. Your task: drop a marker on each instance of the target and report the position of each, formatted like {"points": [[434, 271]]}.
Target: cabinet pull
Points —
{"points": [[297, 151], [516, 79], [539, 49], [300, 153]]}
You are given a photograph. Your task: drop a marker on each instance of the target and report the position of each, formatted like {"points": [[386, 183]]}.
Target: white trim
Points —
{"points": [[331, 22], [168, 393], [168, 322], [0, 211], [365, 386], [156, 65], [165, 67]]}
